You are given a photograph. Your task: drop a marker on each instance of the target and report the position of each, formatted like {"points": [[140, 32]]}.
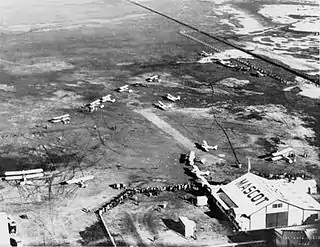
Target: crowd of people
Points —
{"points": [[149, 191], [289, 176], [272, 75]]}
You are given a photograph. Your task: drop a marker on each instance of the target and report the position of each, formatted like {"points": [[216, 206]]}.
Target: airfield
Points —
{"points": [[70, 54]]}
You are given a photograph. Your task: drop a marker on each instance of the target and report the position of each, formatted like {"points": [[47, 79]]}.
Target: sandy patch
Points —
{"points": [[47, 27], [240, 21], [78, 84], [66, 99], [225, 55], [7, 88], [285, 13], [124, 63], [291, 61], [48, 15], [278, 113], [302, 18], [282, 44], [233, 82], [276, 119], [195, 112], [248, 92], [308, 89], [83, 76], [37, 66]]}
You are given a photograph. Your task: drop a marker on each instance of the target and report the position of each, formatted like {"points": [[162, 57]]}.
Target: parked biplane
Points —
{"points": [[287, 154], [206, 147], [79, 181], [172, 98], [154, 78], [60, 119], [161, 105], [23, 176], [205, 54], [198, 173], [107, 98], [124, 88]]}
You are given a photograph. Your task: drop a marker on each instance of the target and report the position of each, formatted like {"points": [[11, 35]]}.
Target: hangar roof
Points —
{"points": [[270, 190], [4, 231]]}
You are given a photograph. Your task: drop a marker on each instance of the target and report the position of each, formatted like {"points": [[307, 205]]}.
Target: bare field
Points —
{"points": [[53, 65]]}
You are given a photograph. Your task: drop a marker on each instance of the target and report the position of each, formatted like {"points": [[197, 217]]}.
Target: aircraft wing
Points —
{"points": [[282, 152], [10, 173], [38, 175], [62, 116], [78, 180]]}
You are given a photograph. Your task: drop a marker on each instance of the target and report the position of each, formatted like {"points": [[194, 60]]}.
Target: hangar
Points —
{"points": [[252, 202]]}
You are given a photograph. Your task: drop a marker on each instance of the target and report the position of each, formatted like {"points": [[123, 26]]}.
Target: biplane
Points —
{"points": [[206, 147], [205, 54], [287, 154], [172, 98], [197, 171], [79, 181], [94, 106], [60, 119], [24, 175], [97, 104], [124, 88], [154, 78], [161, 105], [107, 98]]}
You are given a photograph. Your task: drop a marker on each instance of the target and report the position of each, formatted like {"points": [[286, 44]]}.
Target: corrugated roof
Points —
{"points": [[241, 192]]}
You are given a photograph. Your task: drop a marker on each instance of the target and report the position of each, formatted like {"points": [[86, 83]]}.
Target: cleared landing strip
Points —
{"points": [[182, 140]]}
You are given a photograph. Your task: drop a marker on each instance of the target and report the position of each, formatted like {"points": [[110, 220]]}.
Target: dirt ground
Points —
{"points": [[49, 73]]}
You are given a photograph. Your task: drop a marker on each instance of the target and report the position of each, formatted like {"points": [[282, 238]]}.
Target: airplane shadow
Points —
{"points": [[183, 158], [173, 225], [199, 146]]}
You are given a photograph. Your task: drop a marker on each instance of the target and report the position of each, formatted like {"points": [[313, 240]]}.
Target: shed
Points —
{"points": [[187, 225], [202, 201]]}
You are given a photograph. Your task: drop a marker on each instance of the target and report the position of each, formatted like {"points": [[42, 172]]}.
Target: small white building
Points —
{"points": [[253, 202], [201, 201], [4, 230], [188, 226]]}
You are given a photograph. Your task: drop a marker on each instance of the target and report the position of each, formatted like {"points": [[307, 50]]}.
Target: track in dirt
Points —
{"points": [[182, 140]]}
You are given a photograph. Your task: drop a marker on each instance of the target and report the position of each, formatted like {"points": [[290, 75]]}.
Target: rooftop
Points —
{"points": [[269, 190], [4, 231]]}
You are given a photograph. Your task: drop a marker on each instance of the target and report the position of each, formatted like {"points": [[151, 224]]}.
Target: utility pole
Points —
{"points": [[99, 216]]}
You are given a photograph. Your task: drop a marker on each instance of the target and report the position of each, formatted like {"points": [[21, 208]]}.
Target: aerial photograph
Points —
{"points": [[170, 123]]}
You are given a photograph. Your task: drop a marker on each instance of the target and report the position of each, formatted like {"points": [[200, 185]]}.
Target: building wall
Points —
{"points": [[258, 220], [271, 209], [295, 215], [308, 213], [244, 223], [4, 231]]}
